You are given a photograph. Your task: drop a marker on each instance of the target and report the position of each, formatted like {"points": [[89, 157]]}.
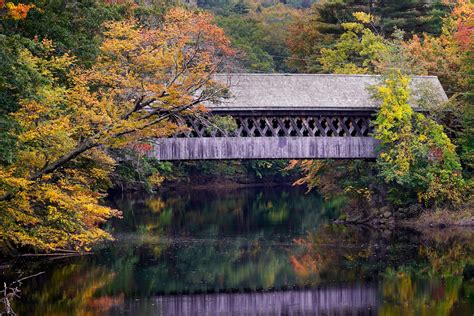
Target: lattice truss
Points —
{"points": [[281, 126]]}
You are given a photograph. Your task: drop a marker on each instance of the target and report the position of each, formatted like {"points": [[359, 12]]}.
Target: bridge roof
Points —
{"points": [[311, 91]]}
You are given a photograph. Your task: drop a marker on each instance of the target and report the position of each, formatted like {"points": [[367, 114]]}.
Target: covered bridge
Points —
{"points": [[289, 116]]}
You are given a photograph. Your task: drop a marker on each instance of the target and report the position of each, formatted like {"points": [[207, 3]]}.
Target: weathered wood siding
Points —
{"points": [[209, 148]]}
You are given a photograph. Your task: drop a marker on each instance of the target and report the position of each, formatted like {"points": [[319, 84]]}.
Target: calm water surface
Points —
{"points": [[258, 251]]}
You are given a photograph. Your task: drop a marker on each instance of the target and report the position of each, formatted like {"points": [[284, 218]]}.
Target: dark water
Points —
{"points": [[258, 251]]}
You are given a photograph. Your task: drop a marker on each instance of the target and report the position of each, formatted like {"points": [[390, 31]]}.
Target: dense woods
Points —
{"points": [[85, 84], [418, 162]]}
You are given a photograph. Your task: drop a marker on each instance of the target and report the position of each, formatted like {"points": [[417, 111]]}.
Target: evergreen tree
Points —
{"points": [[411, 16], [240, 8]]}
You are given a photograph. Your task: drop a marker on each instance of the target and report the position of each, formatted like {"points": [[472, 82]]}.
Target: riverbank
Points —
{"points": [[442, 218], [425, 219]]}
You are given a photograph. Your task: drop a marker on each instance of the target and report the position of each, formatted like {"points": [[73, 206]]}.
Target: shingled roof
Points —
{"points": [[310, 91]]}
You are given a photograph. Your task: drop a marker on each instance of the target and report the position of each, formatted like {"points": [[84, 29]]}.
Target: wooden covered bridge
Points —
{"points": [[288, 116]]}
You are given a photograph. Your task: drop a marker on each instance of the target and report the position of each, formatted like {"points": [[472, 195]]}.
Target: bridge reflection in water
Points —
{"points": [[359, 300]]}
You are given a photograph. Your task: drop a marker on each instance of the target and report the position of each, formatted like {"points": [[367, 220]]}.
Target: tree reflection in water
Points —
{"points": [[418, 273], [268, 251]]}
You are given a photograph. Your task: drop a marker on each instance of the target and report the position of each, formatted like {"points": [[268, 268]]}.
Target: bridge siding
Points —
{"points": [[210, 148]]}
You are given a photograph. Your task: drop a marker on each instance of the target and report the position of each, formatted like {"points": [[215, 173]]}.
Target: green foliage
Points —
{"points": [[228, 7], [219, 7], [223, 123], [74, 27], [356, 50], [230, 171], [246, 35], [269, 169], [411, 16], [16, 78], [350, 184], [260, 37], [138, 172], [208, 171], [416, 155], [240, 8]]}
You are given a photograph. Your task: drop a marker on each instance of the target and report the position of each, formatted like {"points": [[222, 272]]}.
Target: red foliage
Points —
{"points": [[464, 33], [435, 154], [142, 148]]}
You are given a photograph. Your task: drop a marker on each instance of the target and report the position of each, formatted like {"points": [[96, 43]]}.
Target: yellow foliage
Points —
{"points": [[50, 196], [357, 51], [394, 124], [363, 17], [415, 152]]}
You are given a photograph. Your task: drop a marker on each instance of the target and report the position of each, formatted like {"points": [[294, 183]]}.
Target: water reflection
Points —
{"points": [[358, 300], [256, 212], [266, 251], [429, 273]]}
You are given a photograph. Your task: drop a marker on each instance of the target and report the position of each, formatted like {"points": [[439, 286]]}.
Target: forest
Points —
{"points": [[85, 85]]}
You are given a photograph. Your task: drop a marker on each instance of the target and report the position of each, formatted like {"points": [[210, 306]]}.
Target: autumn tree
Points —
{"points": [[356, 50], [445, 56], [142, 81], [75, 26], [305, 42], [418, 160], [323, 25], [14, 11], [449, 57], [416, 156]]}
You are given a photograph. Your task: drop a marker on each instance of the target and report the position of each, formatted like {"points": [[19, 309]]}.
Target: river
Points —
{"points": [[251, 251]]}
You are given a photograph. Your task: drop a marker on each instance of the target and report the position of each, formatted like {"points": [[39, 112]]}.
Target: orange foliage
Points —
{"points": [[445, 56], [302, 36], [16, 11], [305, 265], [105, 303], [463, 16]]}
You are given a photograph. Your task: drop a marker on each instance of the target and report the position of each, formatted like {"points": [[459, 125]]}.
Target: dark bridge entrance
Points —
{"points": [[287, 117]]}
